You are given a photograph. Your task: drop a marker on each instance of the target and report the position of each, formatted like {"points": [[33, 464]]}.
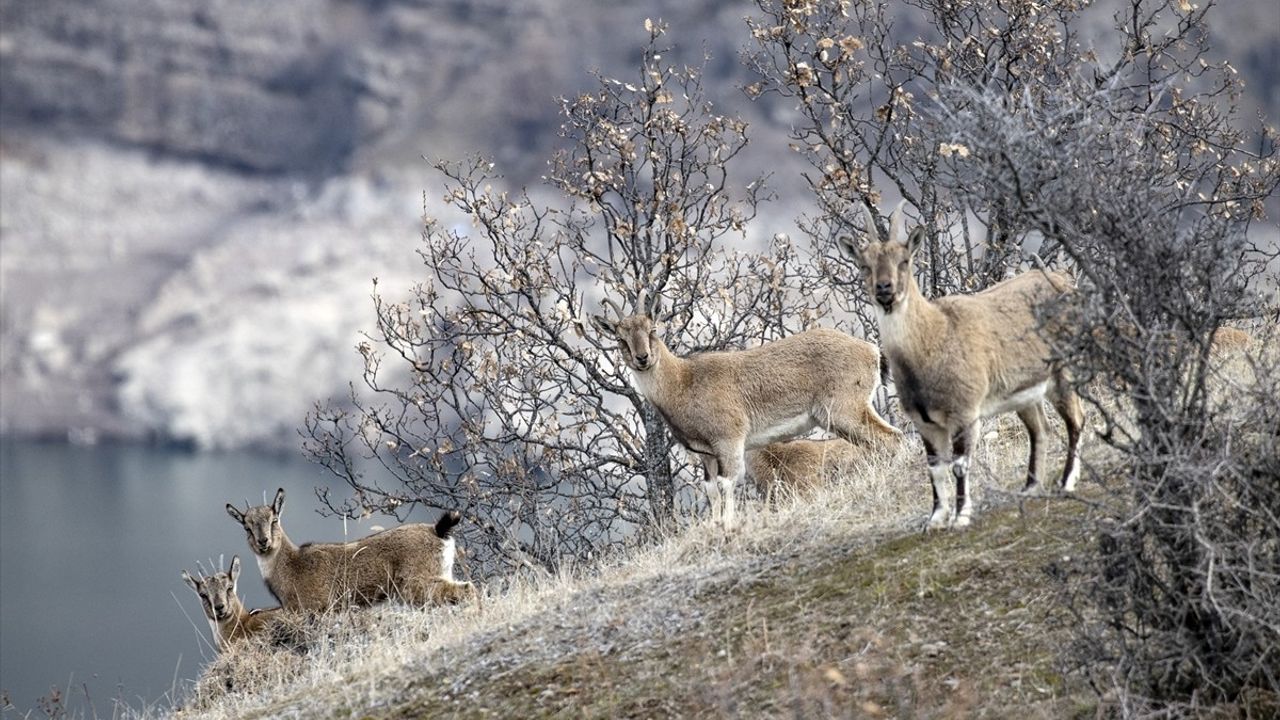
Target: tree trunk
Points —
{"points": [[659, 480]]}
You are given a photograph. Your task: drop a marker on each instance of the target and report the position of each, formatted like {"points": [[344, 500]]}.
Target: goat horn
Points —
{"points": [[617, 311], [898, 223], [873, 232]]}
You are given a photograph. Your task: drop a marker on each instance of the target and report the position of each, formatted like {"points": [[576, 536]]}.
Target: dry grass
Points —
{"points": [[832, 604]]}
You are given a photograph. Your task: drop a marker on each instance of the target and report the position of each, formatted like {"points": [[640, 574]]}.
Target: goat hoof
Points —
{"points": [[961, 522], [937, 522], [1032, 489]]}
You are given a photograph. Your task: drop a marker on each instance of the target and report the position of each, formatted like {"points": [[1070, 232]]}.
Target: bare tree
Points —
{"points": [[1124, 160], [860, 74], [1151, 195], [1139, 175], [487, 391]]}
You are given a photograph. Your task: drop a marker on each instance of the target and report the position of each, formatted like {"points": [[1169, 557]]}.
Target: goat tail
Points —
{"points": [[446, 523]]}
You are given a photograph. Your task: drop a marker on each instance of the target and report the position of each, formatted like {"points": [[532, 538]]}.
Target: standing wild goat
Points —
{"points": [[412, 563], [228, 618], [963, 358], [721, 404]]}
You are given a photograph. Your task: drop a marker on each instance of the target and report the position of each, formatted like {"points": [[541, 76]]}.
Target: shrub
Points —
{"points": [[1123, 161]]}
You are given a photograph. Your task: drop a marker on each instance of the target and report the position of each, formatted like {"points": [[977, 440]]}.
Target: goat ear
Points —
{"points": [[277, 505], [235, 514], [915, 240], [603, 325], [850, 249], [655, 306], [190, 581], [235, 569]]}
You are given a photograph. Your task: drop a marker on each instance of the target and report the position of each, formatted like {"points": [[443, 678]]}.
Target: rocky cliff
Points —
{"points": [[194, 196], [266, 87]]}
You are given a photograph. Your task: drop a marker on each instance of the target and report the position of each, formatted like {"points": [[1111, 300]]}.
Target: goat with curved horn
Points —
{"points": [[959, 359]]}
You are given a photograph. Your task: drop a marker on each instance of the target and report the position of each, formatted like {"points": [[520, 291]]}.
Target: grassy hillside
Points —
{"points": [[829, 605], [912, 626]]}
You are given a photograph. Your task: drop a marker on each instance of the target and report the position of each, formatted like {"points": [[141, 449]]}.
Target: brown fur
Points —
{"points": [[722, 404], [1227, 340], [407, 563], [962, 358], [227, 615], [801, 466]]}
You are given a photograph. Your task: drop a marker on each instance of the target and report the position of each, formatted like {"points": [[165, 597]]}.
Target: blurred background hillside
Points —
{"points": [[194, 198]]}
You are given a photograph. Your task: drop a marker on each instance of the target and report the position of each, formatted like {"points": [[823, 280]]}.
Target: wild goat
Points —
{"points": [[963, 358], [1227, 340], [412, 563], [801, 466], [721, 404], [228, 618]]}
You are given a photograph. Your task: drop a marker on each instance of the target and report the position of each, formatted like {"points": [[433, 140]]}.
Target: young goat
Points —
{"points": [[963, 358], [721, 404], [801, 466], [412, 563], [228, 618]]}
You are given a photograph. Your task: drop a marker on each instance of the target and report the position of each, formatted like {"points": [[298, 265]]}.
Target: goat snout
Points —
{"points": [[642, 360], [884, 293]]}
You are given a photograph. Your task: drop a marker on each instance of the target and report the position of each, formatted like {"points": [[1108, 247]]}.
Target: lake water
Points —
{"points": [[92, 544]]}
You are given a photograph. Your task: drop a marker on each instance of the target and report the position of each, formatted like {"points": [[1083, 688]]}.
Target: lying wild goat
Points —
{"points": [[412, 563], [228, 618], [1228, 340], [800, 466], [721, 404], [963, 358]]}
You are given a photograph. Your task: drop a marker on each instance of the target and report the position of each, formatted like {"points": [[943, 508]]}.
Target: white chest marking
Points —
{"points": [[893, 325], [645, 382], [266, 564]]}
